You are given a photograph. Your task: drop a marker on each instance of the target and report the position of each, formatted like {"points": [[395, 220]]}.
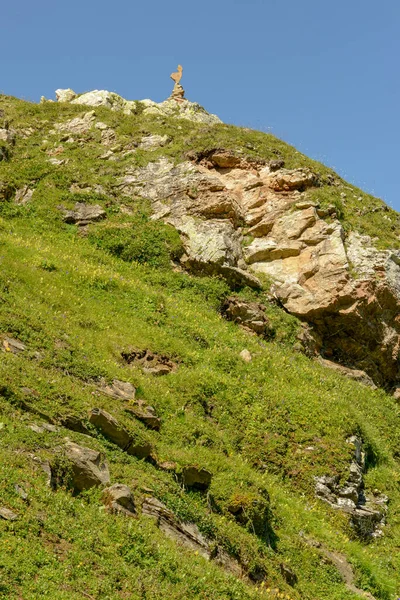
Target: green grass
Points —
{"points": [[78, 302]]}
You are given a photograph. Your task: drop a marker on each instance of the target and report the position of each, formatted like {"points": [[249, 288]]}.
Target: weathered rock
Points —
{"points": [[117, 434], [74, 423], [245, 355], [83, 214], [21, 493], [396, 393], [367, 515], [189, 535], [78, 125], [248, 314], [149, 142], [119, 390], [7, 514], [145, 414], [23, 195], [180, 110], [110, 428], [12, 345], [109, 99], [8, 136], [151, 362], [298, 179], [119, 499], [355, 374], [196, 478], [65, 95], [88, 467]]}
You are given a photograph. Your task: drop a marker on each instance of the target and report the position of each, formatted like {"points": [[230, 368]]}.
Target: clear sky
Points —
{"points": [[322, 75]]}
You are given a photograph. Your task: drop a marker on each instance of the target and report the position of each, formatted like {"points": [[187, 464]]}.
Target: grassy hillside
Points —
{"points": [[263, 429]]}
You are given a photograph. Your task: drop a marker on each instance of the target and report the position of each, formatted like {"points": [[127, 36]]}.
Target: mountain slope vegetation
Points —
{"points": [[79, 301]]}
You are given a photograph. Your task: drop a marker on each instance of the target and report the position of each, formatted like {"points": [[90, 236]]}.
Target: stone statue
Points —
{"points": [[178, 93]]}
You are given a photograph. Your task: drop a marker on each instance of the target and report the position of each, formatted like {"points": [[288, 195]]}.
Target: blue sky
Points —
{"points": [[323, 76]]}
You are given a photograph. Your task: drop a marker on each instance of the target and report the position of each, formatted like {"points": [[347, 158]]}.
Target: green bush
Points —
{"points": [[142, 240]]}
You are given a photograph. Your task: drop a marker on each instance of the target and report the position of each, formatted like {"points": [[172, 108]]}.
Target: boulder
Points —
{"points": [[145, 414], [8, 136], [110, 428], [117, 434], [83, 214], [148, 142], [297, 179], [180, 110], [65, 95], [7, 514], [196, 478], [12, 345], [78, 125], [88, 467], [119, 390], [23, 195], [119, 499], [110, 100], [245, 355]]}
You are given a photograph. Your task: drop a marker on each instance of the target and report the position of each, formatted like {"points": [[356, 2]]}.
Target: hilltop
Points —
{"points": [[203, 322]]}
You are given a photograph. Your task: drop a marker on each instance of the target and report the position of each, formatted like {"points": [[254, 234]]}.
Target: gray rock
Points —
{"points": [[88, 467], [65, 95], [149, 142], [119, 390], [118, 499], [110, 428], [196, 478], [7, 514], [12, 345], [83, 214], [23, 196]]}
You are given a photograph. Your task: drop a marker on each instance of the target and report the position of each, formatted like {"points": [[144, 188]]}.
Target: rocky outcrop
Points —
{"points": [[367, 513], [251, 315], [184, 109], [109, 99], [85, 468], [83, 214], [195, 478], [243, 219], [117, 434], [119, 499], [189, 535], [150, 362]]}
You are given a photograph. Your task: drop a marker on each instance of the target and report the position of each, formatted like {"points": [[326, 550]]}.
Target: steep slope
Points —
{"points": [[221, 453]]}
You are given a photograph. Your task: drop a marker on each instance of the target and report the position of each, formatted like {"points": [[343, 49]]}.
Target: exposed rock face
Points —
{"points": [[118, 499], [119, 390], [189, 535], [218, 196], [23, 195], [367, 512], [65, 95], [89, 468], [176, 106], [78, 125], [184, 109], [83, 214], [250, 315], [151, 363], [195, 478], [108, 99], [117, 434]]}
